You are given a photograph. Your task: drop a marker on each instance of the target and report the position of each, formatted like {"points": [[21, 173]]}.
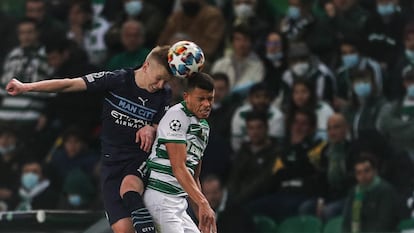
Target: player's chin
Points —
{"points": [[204, 114]]}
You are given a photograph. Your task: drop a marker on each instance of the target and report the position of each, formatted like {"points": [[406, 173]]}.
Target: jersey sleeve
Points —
{"points": [[104, 80], [173, 127]]}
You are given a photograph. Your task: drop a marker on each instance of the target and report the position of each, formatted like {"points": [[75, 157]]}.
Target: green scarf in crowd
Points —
{"points": [[359, 195]]}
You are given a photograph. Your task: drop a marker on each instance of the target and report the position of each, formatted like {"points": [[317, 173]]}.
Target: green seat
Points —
{"points": [[301, 224], [406, 225], [334, 225], [265, 224]]}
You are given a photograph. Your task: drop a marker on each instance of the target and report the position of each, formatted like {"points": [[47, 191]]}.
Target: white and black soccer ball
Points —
{"points": [[185, 58], [175, 125]]}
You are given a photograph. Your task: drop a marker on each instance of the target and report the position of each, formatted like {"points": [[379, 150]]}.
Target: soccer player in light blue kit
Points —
{"points": [[174, 164]]}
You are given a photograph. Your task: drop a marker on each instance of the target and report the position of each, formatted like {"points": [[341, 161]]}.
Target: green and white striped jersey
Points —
{"points": [[178, 125]]}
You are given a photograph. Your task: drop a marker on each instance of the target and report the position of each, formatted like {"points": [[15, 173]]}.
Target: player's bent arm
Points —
{"points": [[15, 87], [177, 153], [197, 180]]}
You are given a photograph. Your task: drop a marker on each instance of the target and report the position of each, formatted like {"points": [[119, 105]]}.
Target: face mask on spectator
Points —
{"points": [[243, 10], [300, 68], [74, 199], [30, 180], [7, 149], [350, 60], [410, 91], [362, 89], [191, 8], [409, 54], [274, 56], [386, 9], [133, 8], [293, 12]]}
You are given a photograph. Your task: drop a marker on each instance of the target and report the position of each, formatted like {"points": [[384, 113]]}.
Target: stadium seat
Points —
{"points": [[334, 225], [265, 224], [406, 225], [301, 224]]}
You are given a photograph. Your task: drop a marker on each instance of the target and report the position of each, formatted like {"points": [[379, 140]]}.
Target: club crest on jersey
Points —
{"points": [[175, 125]]}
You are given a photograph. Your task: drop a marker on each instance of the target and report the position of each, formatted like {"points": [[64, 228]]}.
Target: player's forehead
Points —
{"points": [[159, 70]]}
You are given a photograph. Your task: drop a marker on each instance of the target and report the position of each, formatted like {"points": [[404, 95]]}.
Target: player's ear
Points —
{"points": [[145, 65]]}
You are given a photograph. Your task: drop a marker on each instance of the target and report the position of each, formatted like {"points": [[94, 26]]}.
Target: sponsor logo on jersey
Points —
{"points": [[125, 120]]}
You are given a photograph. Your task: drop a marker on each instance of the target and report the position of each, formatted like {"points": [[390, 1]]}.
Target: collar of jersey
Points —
{"points": [[186, 110]]}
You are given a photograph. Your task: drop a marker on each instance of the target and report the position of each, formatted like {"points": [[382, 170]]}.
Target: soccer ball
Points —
{"points": [[185, 58]]}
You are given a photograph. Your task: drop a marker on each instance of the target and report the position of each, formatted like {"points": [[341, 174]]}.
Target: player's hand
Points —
{"points": [[15, 87], [207, 219], [145, 137]]}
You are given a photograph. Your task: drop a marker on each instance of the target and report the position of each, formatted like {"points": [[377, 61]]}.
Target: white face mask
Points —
{"points": [[243, 10], [299, 69]]}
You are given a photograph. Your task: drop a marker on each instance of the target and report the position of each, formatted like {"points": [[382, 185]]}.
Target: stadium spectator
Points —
{"points": [[353, 59], [337, 169], [27, 63], [296, 170], [35, 190], [199, 22], [303, 64], [304, 96], [405, 59], [364, 112], [384, 33], [371, 206], [88, 31], [251, 172], [134, 52], [49, 28], [258, 101], [151, 17], [217, 156], [242, 65], [74, 153], [300, 24], [398, 119], [79, 192], [255, 14], [275, 63], [10, 160], [347, 17]]}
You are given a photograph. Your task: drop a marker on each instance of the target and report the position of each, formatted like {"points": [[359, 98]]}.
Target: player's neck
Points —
{"points": [[139, 78]]}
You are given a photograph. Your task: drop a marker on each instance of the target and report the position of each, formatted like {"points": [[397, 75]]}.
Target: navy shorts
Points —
{"points": [[112, 174]]}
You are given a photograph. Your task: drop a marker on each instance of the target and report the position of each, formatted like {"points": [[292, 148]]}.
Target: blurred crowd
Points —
{"points": [[313, 112]]}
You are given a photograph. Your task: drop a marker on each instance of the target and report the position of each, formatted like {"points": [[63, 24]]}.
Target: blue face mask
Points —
{"points": [[133, 8], [409, 54], [75, 199], [274, 56], [350, 60], [29, 180], [293, 12], [410, 91], [386, 9], [362, 89], [7, 149]]}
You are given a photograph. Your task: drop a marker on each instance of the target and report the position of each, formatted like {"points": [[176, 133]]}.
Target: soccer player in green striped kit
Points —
{"points": [[175, 162]]}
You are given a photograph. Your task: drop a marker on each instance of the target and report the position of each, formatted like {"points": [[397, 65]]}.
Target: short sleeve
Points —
{"points": [[104, 80], [173, 127]]}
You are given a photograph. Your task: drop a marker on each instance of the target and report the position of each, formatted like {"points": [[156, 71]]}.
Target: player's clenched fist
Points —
{"points": [[15, 87]]}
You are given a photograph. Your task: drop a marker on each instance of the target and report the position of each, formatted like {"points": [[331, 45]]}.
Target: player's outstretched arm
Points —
{"points": [[177, 153], [15, 87]]}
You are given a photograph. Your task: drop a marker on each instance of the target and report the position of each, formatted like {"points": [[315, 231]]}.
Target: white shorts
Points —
{"points": [[169, 213]]}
